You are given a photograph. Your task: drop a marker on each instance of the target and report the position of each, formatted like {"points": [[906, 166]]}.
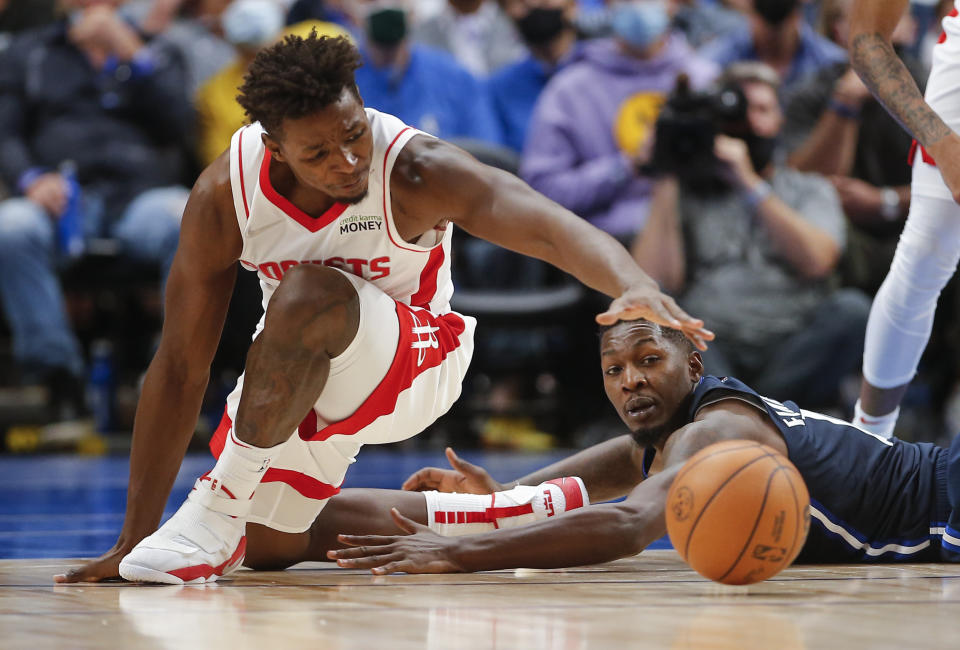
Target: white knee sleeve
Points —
{"points": [[902, 314], [453, 514]]}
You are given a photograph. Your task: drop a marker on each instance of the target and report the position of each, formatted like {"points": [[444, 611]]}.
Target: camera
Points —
{"points": [[687, 127]]}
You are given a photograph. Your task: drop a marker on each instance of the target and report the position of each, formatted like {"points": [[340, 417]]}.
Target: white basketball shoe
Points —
{"points": [[203, 540]]}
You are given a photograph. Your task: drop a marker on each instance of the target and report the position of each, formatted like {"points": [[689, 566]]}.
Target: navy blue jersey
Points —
{"points": [[870, 498]]}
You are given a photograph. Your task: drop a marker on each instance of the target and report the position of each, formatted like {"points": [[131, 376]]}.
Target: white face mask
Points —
{"points": [[252, 23]]}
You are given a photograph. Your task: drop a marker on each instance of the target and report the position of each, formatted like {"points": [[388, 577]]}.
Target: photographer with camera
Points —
{"points": [[749, 244]]}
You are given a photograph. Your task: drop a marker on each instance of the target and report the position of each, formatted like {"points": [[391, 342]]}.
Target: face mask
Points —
{"points": [[761, 150], [774, 12], [640, 23], [541, 25], [252, 23], [387, 27]]}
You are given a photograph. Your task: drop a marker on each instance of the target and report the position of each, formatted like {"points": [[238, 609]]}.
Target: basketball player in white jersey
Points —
{"points": [[346, 215], [902, 314]]}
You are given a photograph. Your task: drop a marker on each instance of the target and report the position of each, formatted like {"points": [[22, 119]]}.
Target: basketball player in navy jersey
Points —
{"points": [[871, 499], [345, 214]]}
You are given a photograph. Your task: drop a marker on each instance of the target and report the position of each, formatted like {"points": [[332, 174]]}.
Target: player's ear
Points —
{"points": [[695, 366], [273, 146]]}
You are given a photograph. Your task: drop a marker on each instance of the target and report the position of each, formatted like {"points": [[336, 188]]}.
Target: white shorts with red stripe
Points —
{"points": [[403, 370]]}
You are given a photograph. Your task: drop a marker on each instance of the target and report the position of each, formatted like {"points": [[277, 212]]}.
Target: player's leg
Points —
{"points": [[359, 511], [362, 511], [902, 314], [950, 542], [312, 317], [901, 317]]}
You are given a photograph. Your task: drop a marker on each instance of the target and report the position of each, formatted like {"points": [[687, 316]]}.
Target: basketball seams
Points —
{"points": [[756, 523], [688, 466], [801, 516], [705, 506]]}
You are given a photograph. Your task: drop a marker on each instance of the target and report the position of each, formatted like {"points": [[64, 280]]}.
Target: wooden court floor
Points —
{"points": [[650, 601]]}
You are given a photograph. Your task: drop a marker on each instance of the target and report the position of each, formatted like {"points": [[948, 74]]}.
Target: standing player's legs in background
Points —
{"points": [[902, 314]]}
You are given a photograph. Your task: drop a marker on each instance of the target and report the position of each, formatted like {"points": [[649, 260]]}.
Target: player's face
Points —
{"points": [[648, 379], [330, 150]]}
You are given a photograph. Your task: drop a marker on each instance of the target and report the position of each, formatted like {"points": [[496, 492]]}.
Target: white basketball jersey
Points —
{"points": [[361, 239]]}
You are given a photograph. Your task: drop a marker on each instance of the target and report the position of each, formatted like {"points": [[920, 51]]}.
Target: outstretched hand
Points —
{"points": [[105, 567], [649, 303], [419, 550], [464, 477]]}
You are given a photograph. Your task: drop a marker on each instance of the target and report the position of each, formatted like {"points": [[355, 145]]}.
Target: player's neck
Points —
{"points": [[311, 201]]}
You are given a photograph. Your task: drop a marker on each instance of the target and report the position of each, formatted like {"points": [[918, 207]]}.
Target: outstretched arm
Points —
{"points": [[872, 55], [608, 470], [438, 178], [198, 293], [584, 536]]}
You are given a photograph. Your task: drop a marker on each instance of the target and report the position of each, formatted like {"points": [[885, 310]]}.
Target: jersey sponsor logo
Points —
{"points": [[359, 222], [373, 269]]}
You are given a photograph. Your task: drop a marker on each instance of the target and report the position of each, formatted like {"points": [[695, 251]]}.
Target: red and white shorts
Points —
{"points": [[403, 370]]}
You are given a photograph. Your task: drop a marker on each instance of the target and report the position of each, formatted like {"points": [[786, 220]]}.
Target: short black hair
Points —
{"points": [[675, 336], [296, 77]]}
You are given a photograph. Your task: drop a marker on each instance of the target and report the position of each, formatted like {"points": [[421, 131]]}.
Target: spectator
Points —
{"points": [[248, 25], [701, 21], [754, 259], [422, 86], [779, 37], [547, 27], [92, 91], [192, 27], [826, 115], [477, 33], [594, 117]]}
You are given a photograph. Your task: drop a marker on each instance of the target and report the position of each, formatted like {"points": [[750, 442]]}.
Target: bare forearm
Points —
{"points": [[831, 147], [161, 434], [810, 250], [609, 470], [587, 536], [658, 248], [889, 80]]}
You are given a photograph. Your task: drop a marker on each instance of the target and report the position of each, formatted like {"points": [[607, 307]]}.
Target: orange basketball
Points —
{"points": [[738, 512]]}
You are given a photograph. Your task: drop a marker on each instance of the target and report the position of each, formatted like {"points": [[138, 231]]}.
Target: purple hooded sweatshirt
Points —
{"points": [[588, 121]]}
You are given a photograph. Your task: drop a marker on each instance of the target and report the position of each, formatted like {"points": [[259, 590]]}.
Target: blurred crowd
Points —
{"points": [[726, 143]]}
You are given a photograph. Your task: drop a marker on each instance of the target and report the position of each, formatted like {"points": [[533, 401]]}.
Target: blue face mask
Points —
{"points": [[252, 23], [640, 23]]}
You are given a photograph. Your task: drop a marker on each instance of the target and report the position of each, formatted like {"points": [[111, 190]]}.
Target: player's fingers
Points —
{"points": [[82, 574], [365, 540], [406, 524], [392, 567], [367, 562], [458, 463], [423, 479], [357, 552]]}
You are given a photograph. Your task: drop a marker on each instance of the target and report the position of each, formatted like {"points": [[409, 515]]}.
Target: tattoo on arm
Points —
{"points": [[888, 79]]}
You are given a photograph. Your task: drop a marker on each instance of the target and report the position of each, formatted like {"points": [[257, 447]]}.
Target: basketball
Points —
{"points": [[738, 512]]}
